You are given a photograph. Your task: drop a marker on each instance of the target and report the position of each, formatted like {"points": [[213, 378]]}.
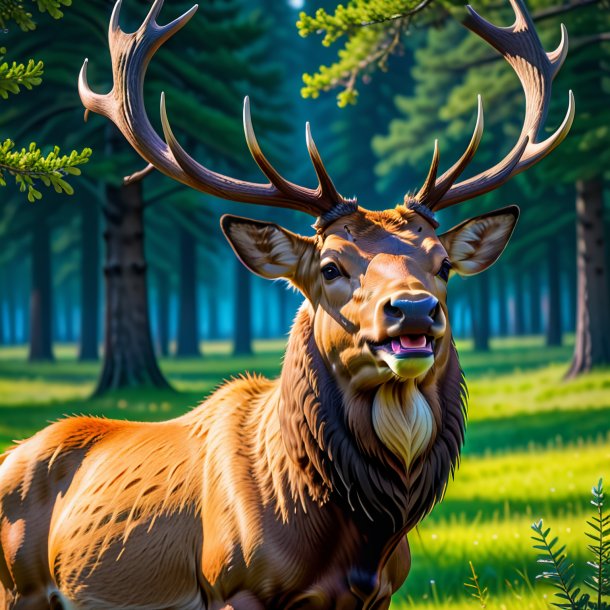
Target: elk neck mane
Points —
{"points": [[344, 456]]}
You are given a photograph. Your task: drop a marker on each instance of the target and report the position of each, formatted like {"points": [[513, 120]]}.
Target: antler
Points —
{"points": [[522, 49], [124, 106]]}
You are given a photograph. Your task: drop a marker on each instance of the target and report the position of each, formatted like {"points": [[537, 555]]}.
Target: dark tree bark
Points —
{"points": [[480, 314], [90, 291], [188, 319], [571, 281], [129, 357], [519, 304], [535, 301], [3, 287], [242, 344], [213, 321], [553, 327], [23, 300], [502, 302], [41, 311], [69, 312], [11, 305], [163, 299], [592, 347]]}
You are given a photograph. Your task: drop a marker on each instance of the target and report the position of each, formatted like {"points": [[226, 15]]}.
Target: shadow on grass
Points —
{"points": [[544, 430]]}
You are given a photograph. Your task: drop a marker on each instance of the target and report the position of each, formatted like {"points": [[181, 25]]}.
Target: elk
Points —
{"points": [[297, 492]]}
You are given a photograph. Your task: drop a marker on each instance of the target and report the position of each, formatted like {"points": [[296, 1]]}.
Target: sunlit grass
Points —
{"points": [[486, 516]]}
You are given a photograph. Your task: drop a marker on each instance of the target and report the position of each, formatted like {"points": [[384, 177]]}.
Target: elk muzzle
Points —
{"points": [[410, 324]]}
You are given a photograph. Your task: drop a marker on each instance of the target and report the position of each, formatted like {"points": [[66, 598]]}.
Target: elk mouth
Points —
{"points": [[407, 356], [406, 346]]}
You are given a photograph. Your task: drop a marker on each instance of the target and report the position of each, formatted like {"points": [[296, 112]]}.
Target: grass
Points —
{"points": [[535, 446]]}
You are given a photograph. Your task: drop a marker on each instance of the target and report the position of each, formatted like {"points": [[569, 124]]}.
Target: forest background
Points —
{"points": [[533, 332]]}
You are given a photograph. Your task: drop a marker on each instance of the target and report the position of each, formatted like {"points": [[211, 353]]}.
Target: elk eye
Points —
{"points": [[330, 271], [443, 272]]}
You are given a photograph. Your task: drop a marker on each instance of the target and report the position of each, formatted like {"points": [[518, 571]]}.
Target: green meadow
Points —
{"points": [[535, 446]]}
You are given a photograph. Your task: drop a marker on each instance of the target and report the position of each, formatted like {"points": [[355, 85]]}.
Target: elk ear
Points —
{"points": [[476, 244], [265, 248]]}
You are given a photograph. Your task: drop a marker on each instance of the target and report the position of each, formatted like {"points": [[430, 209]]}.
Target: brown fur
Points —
{"points": [[270, 494]]}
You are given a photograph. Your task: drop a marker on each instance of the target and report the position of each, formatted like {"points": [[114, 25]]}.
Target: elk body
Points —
{"points": [[298, 492]]}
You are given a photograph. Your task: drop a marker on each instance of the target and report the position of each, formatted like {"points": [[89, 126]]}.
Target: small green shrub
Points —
{"points": [[559, 570]]}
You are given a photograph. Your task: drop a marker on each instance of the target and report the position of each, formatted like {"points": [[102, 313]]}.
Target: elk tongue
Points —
{"points": [[413, 342]]}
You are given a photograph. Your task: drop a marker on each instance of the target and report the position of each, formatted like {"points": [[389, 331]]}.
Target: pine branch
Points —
{"points": [[370, 48], [30, 168], [14, 10], [481, 595], [14, 76], [390, 19], [357, 14], [374, 29]]}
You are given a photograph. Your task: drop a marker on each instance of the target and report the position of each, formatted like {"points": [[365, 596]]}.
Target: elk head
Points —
{"points": [[376, 282]]}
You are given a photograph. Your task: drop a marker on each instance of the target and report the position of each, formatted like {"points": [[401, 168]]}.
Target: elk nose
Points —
{"points": [[413, 315]]}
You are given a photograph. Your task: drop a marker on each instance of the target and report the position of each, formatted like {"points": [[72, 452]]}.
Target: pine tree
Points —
{"points": [[203, 71]]}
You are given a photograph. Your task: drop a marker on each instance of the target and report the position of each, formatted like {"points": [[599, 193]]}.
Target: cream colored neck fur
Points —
{"points": [[403, 419]]}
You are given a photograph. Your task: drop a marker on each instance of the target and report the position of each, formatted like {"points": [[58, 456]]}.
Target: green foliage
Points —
{"points": [[14, 76], [367, 49], [557, 567], [481, 595], [374, 29], [599, 580], [30, 165], [355, 15], [14, 10], [560, 572]]}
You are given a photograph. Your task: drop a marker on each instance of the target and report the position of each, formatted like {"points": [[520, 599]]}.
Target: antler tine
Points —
{"points": [[326, 187], [124, 105], [153, 13], [113, 25], [424, 192], [439, 187], [558, 56], [522, 49], [257, 154], [96, 102]]}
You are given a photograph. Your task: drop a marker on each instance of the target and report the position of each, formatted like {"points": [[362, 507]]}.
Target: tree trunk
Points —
{"points": [[188, 319], [11, 305], [519, 305], [502, 302], [163, 299], [69, 311], [129, 357], [535, 301], [242, 344], [41, 312], [592, 347], [213, 321], [3, 290], [90, 291], [480, 314], [553, 328]]}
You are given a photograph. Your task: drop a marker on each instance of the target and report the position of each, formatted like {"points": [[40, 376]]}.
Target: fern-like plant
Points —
{"points": [[559, 570], [599, 580]]}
